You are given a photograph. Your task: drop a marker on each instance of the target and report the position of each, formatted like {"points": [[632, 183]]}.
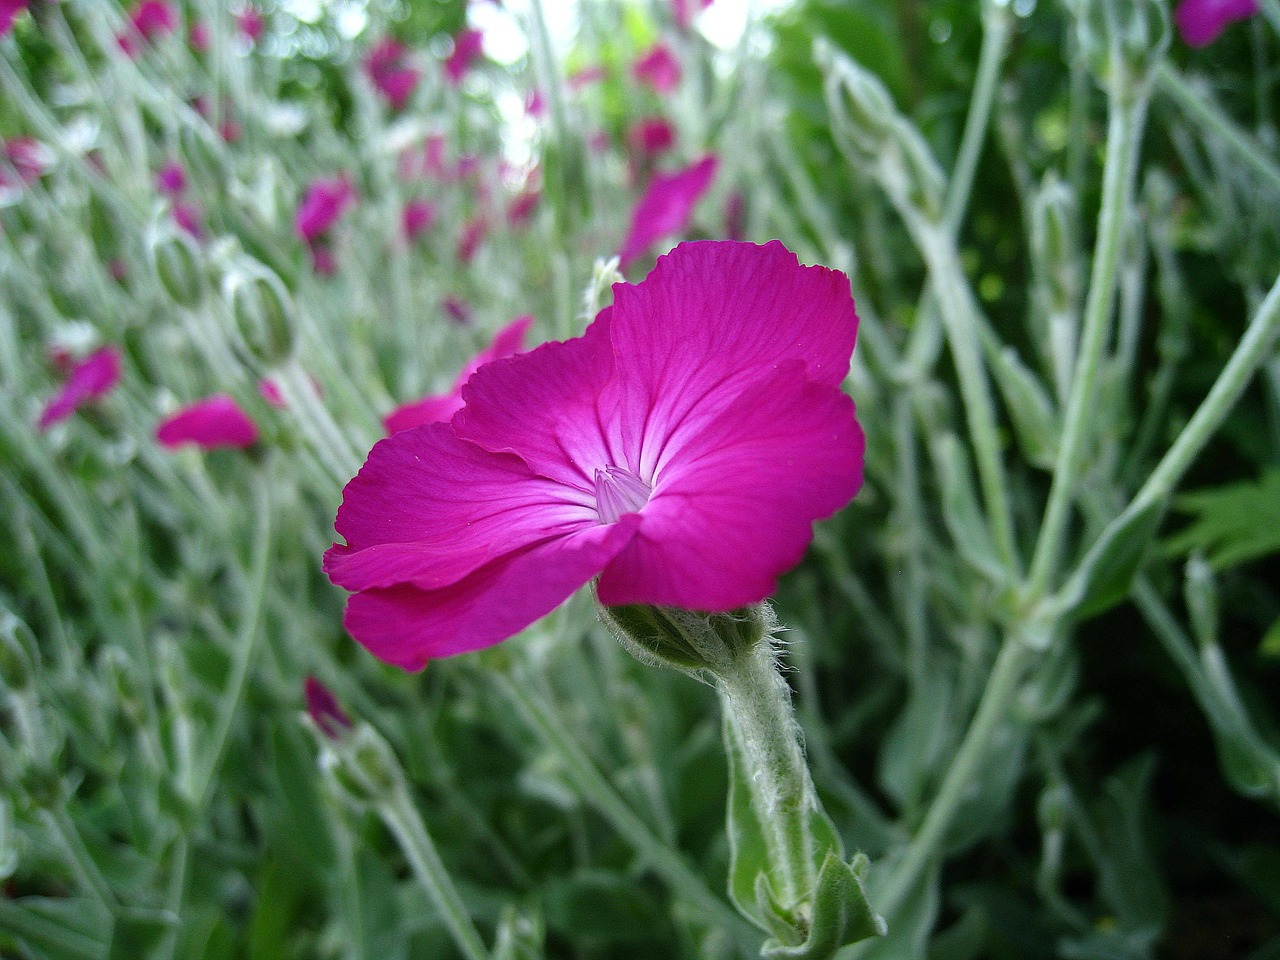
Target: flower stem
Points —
{"points": [[402, 818], [1124, 130]]}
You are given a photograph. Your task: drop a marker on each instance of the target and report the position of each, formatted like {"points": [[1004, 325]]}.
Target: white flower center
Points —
{"points": [[619, 492]]}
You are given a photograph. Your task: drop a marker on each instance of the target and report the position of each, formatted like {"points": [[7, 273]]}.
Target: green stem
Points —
{"points": [[1213, 121], [1128, 109], [598, 792], [1002, 686], [402, 818]]}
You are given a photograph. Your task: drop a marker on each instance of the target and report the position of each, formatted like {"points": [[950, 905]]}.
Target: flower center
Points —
{"points": [[619, 492]]}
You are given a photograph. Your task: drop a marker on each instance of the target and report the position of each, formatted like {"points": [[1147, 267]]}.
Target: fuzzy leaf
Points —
{"points": [[1233, 524]]}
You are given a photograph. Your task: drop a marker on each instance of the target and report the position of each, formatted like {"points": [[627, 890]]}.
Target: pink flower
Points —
{"points": [[229, 130], [198, 36], [323, 262], [440, 407], [26, 156], [211, 423], [269, 390], [386, 70], [658, 68], [473, 234], [171, 180], [324, 710], [154, 18], [433, 155], [585, 76], [251, 24], [417, 218], [665, 207], [535, 104], [680, 451], [1202, 21], [468, 46], [326, 199], [9, 9], [91, 378], [520, 209], [651, 135], [188, 218], [685, 10]]}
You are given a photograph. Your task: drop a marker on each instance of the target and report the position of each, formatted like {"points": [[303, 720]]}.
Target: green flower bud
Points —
{"points": [[177, 263], [861, 108], [1055, 244], [685, 640], [359, 766], [18, 654], [1122, 41], [263, 312]]}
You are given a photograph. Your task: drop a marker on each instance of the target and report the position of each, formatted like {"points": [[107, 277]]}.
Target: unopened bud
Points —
{"points": [[18, 653], [686, 640], [1122, 41], [324, 710], [177, 263], [359, 766], [263, 312], [1054, 243], [861, 108]]}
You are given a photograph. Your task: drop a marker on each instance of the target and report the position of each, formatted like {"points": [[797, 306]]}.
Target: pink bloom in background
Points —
{"points": [[91, 378], [188, 218], [387, 71], [658, 68], [154, 18], [650, 135], [685, 10], [209, 424], [680, 450], [473, 233], [457, 310], [171, 180], [442, 406], [198, 36], [585, 76], [324, 710], [520, 209], [326, 199], [323, 262], [433, 155], [229, 130], [535, 104], [9, 9], [468, 46], [417, 218], [251, 23], [665, 208], [269, 390], [1202, 21]]}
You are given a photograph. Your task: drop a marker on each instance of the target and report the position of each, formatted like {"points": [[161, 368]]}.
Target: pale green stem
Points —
{"points": [[1124, 130], [1212, 120], [757, 703], [600, 794], [995, 44], [1001, 688], [246, 640], [402, 818]]}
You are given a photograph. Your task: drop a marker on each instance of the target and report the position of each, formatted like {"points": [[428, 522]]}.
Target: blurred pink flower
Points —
{"points": [[27, 157], [418, 217], [651, 135], [324, 710], [535, 104], [665, 208], [229, 130], [679, 451], [269, 390], [386, 69], [468, 46], [323, 262], [187, 216], [1202, 21], [440, 407], [211, 423], [91, 378], [520, 209], [9, 9], [473, 233], [171, 180], [658, 68], [154, 18], [198, 36], [685, 10], [325, 201], [585, 76], [434, 159], [251, 24]]}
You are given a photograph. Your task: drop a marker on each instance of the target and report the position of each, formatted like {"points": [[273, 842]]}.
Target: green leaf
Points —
{"points": [[58, 929], [1233, 524], [1105, 575], [841, 913]]}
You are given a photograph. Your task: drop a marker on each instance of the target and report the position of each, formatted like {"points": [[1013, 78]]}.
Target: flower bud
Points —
{"points": [[263, 312], [685, 640], [360, 767], [1055, 244], [177, 263], [861, 108], [1122, 41], [18, 655]]}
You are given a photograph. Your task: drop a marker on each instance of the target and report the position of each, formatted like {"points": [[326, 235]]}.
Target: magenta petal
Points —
{"points": [[211, 423], [737, 493], [665, 208], [428, 509], [407, 626], [8, 10], [91, 378], [326, 199], [658, 68], [549, 406], [1202, 21]]}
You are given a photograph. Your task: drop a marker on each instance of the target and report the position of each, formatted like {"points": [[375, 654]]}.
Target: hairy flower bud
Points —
{"points": [[177, 262], [1055, 244], [262, 310], [359, 766], [1122, 41], [685, 640], [862, 110]]}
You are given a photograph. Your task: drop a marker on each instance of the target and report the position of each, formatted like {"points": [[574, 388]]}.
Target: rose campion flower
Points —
{"points": [[535, 104], [171, 180], [468, 46], [680, 451], [651, 135], [251, 24], [269, 390], [417, 218], [28, 158], [685, 10], [9, 10], [442, 406], [198, 36], [666, 206], [326, 200], [187, 216], [93, 377], [658, 68], [1202, 21], [324, 710], [210, 424], [387, 71], [323, 262], [154, 18], [473, 233], [523, 204]]}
